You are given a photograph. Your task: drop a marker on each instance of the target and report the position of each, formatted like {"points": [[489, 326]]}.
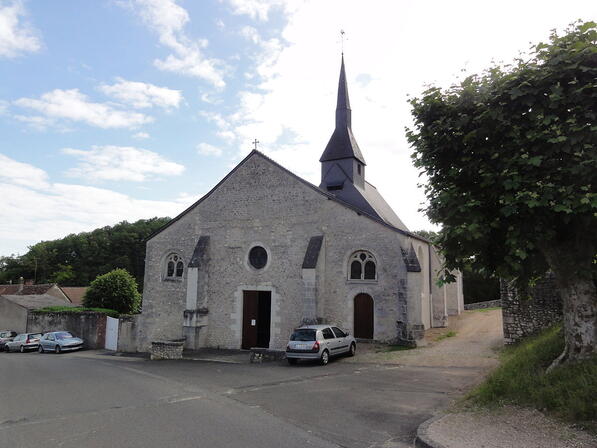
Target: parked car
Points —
{"points": [[23, 342], [59, 341], [319, 342], [6, 336]]}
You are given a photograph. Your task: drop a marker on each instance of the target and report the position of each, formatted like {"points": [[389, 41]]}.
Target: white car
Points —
{"points": [[319, 342]]}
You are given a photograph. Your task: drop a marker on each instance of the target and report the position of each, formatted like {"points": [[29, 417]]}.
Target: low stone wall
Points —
{"points": [[482, 305], [524, 316], [166, 349], [88, 325]]}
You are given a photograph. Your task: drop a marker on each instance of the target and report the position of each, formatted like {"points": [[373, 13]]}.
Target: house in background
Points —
{"points": [[15, 308], [75, 294], [24, 289]]}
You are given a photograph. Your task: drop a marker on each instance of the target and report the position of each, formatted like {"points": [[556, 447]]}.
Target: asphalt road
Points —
{"points": [[87, 400]]}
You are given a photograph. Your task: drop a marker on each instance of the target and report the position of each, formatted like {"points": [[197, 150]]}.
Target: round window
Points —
{"points": [[258, 257]]}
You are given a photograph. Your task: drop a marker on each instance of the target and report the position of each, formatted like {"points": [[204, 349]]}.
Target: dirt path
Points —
{"points": [[471, 340]]}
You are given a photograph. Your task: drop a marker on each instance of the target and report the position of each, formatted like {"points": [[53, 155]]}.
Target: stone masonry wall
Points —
{"points": [[525, 316], [260, 204]]}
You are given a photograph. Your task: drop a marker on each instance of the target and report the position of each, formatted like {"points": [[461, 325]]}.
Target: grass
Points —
{"points": [[77, 309], [568, 391], [449, 334], [484, 310]]}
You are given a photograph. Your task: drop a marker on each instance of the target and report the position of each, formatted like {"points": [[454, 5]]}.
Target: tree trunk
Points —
{"points": [[571, 266]]}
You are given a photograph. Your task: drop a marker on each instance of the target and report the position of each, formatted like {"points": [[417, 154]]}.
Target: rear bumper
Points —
{"points": [[303, 355]]}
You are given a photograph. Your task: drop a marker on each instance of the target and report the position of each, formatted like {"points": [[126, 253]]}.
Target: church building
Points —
{"points": [[266, 251]]}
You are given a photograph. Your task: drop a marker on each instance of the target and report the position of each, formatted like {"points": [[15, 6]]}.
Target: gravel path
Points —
{"points": [[478, 336], [504, 428]]}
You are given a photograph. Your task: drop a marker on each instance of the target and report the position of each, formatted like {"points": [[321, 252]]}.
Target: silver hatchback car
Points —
{"points": [[319, 342]]}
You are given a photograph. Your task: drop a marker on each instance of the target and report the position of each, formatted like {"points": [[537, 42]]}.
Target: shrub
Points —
{"points": [[115, 290]]}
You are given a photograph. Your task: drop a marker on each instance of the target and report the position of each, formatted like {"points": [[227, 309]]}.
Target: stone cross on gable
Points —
{"points": [[255, 143]]}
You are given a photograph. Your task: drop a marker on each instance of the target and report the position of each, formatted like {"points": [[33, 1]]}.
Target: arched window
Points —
{"points": [[362, 266], [174, 266]]}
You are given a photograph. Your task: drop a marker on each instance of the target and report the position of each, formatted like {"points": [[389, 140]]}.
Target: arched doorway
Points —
{"points": [[363, 316]]}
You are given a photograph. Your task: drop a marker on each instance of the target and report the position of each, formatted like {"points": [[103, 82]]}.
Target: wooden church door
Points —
{"points": [[363, 316]]}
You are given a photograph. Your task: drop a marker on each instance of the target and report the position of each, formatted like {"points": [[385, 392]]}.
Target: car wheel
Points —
{"points": [[22, 349], [57, 349], [291, 361], [352, 350], [325, 358], [6, 349], [40, 348]]}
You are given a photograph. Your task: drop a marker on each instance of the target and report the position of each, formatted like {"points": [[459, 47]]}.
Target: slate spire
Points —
{"points": [[342, 144], [343, 112]]}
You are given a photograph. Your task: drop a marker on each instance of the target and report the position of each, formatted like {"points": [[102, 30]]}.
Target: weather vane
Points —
{"points": [[255, 143]]}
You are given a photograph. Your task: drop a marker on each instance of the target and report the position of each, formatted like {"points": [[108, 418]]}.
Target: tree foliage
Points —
{"points": [[511, 159], [116, 290], [77, 259]]}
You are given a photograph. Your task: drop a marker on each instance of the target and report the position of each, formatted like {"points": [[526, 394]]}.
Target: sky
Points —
{"points": [[119, 110]]}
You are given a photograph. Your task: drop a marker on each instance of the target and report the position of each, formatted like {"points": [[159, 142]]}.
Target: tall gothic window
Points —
{"points": [[362, 266], [174, 266]]}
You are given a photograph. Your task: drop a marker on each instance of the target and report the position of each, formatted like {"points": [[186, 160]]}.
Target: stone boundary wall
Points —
{"points": [[87, 325], [166, 349], [524, 316], [482, 305]]}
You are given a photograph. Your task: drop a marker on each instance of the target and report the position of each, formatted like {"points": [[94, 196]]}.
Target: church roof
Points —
{"points": [[342, 144], [256, 153]]}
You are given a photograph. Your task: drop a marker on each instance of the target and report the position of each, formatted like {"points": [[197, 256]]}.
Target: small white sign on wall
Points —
{"points": [[253, 322]]}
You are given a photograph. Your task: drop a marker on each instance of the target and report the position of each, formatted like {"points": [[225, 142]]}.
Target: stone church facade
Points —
{"points": [[266, 251]]}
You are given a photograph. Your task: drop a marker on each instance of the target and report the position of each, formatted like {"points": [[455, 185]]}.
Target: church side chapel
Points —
{"points": [[266, 251]]}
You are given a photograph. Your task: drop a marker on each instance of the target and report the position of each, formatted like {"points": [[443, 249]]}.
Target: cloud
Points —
{"points": [[16, 37], [143, 95], [290, 101], [23, 174], [256, 9], [168, 20], [121, 163], [141, 135], [206, 149], [72, 105]]}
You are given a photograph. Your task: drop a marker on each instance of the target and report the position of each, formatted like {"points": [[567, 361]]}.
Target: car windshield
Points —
{"points": [[303, 335], [63, 335], [35, 336]]}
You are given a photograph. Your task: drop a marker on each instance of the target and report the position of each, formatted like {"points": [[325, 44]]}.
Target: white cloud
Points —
{"points": [[42, 210], [74, 106], [23, 174], [143, 95], [16, 37], [206, 149], [141, 135], [258, 9], [393, 49], [121, 163], [168, 20]]}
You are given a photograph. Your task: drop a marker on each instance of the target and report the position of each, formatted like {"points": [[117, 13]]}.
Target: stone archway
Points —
{"points": [[363, 316]]}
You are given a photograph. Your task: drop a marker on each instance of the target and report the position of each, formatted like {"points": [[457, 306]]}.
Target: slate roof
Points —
{"points": [[35, 301], [312, 252], [342, 144], [410, 259]]}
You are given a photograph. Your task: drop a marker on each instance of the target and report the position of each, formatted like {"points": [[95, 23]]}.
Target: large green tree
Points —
{"points": [[511, 161], [116, 290]]}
